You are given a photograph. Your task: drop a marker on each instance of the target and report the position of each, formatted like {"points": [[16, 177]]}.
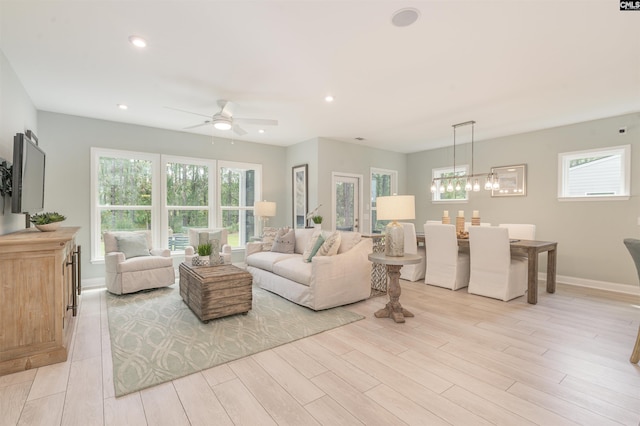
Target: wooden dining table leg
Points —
{"points": [[532, 284], [551, 271]]}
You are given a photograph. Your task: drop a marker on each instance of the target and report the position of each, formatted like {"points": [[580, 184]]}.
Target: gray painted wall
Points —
{"points": [[67, 140], [17, 114], [341, 157], [589, 233]]}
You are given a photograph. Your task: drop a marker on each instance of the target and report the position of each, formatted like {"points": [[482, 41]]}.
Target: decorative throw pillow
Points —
{"points": [[311, 244], [285, 241], [134, 245], [206, 237], [330, 245], [314, 250], [268, 237], [348, 240]]}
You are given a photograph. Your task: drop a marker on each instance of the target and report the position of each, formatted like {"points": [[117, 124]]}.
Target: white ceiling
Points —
{"points": [[512, 66]]}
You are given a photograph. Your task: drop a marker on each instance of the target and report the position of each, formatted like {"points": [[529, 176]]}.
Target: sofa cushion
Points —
{"points": [[330, 245], [294, 269], [132, 245], [303, 235], [285, 241], [266, 259], [348, 241], [144, 263]]}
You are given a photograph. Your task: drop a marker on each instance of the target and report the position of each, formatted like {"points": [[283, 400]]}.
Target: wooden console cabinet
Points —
{"points": [[39, 288]]}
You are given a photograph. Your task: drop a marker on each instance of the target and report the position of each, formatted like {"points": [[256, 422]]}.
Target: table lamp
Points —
{"points": [[394, 208], [264, 210]]}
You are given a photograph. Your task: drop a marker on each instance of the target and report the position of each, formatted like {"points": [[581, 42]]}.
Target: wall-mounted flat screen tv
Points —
{"points": [[27, 176]]}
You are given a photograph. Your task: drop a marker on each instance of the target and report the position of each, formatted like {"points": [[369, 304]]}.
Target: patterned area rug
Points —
{"points": [[155, 337]]}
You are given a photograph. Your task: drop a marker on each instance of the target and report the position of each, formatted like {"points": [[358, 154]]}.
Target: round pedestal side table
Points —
{"points": [[394, 309]]}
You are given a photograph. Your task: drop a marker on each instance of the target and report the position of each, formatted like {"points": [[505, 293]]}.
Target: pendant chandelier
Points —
{"points": [[471, 182]]}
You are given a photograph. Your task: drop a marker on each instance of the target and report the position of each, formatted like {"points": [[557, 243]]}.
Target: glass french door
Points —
{"points": [[346, 197]]}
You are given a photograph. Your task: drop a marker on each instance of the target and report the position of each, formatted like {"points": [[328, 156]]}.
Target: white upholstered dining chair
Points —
{"points": [[413, 272], [446, 266], [633, 245], [494, 272], [520, 231]]}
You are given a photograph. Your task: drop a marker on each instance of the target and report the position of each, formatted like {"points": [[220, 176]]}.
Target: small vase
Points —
{"points": [[317, 226]]}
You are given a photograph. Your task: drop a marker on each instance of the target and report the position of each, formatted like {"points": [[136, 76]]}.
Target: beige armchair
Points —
{"points": [[131, 264], [199, 236]]}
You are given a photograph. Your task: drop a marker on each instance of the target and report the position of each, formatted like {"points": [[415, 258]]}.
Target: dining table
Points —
{"points": [[531, 249]]}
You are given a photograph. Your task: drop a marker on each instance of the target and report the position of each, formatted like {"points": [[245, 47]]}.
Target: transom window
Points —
{"points": [[595, 173]]}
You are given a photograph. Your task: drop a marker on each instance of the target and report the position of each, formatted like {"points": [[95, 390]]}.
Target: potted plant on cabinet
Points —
{"points": [[317, 221], [48, 221]]}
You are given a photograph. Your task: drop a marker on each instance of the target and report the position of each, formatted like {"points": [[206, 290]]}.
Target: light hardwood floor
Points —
{"points": [[463, 360]]}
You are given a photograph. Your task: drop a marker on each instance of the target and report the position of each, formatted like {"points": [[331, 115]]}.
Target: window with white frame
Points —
{"points": [[383, 183], [449, 185], [167, 195], [239, 185], [125, 193], [595, 173], [188, 191]]}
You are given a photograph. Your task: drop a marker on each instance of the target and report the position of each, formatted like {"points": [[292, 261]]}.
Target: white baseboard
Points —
{"points": [[600, 285], [92, 283]]}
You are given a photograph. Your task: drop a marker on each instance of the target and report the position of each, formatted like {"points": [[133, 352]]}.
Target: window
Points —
{"points": [[595, 174], [168, 195], [189, 188], [383, 183], [449, 188], [125, 193], [239, 185]]}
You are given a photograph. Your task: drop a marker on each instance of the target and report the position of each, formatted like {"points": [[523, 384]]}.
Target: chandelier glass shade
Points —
{"points": [[470, 181]]}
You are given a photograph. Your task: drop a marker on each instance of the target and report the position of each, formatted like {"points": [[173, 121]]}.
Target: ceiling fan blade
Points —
{"points": [[257, 121], [226, 108], [197, 125], [188, 112], [239, 130]]}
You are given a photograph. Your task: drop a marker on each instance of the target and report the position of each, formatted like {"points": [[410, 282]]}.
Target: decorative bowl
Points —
{"points": [[48, 227]]}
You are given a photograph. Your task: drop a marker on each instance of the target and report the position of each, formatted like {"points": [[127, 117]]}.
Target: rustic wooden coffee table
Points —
{"points": [[215, 291]]}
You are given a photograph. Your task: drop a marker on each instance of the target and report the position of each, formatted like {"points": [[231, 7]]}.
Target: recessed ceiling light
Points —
{"points": [[260, 130], [328, 98], [405, 17], [137, 41], [122, 106]]}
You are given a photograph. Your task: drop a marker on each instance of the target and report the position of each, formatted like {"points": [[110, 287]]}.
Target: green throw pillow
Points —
{"points": [[315, 248], [134, 245]]}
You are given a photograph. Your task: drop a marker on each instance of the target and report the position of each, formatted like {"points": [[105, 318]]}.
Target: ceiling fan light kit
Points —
{"points": [[224, 120]]}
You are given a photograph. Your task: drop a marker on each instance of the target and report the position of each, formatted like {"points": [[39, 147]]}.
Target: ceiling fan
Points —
{"points": [[224, 119]]}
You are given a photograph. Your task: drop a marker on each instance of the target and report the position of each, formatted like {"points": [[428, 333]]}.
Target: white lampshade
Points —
{"points": [[396, 207], [265, 208]]}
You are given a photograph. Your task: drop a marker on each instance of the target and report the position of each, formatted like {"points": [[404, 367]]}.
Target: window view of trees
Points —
{"points": [[124, 194], [237, 197], [381, 185], [187, 201], [169, 195]]}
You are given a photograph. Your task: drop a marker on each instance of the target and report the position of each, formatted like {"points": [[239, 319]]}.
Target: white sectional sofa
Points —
{"points": [[325, 282]]}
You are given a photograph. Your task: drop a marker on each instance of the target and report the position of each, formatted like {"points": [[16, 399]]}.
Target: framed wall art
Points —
{"points": [[300, 195], [512, 180]]}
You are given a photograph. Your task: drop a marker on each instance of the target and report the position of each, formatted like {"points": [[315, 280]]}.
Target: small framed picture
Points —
{"points": [[512, 181]]}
